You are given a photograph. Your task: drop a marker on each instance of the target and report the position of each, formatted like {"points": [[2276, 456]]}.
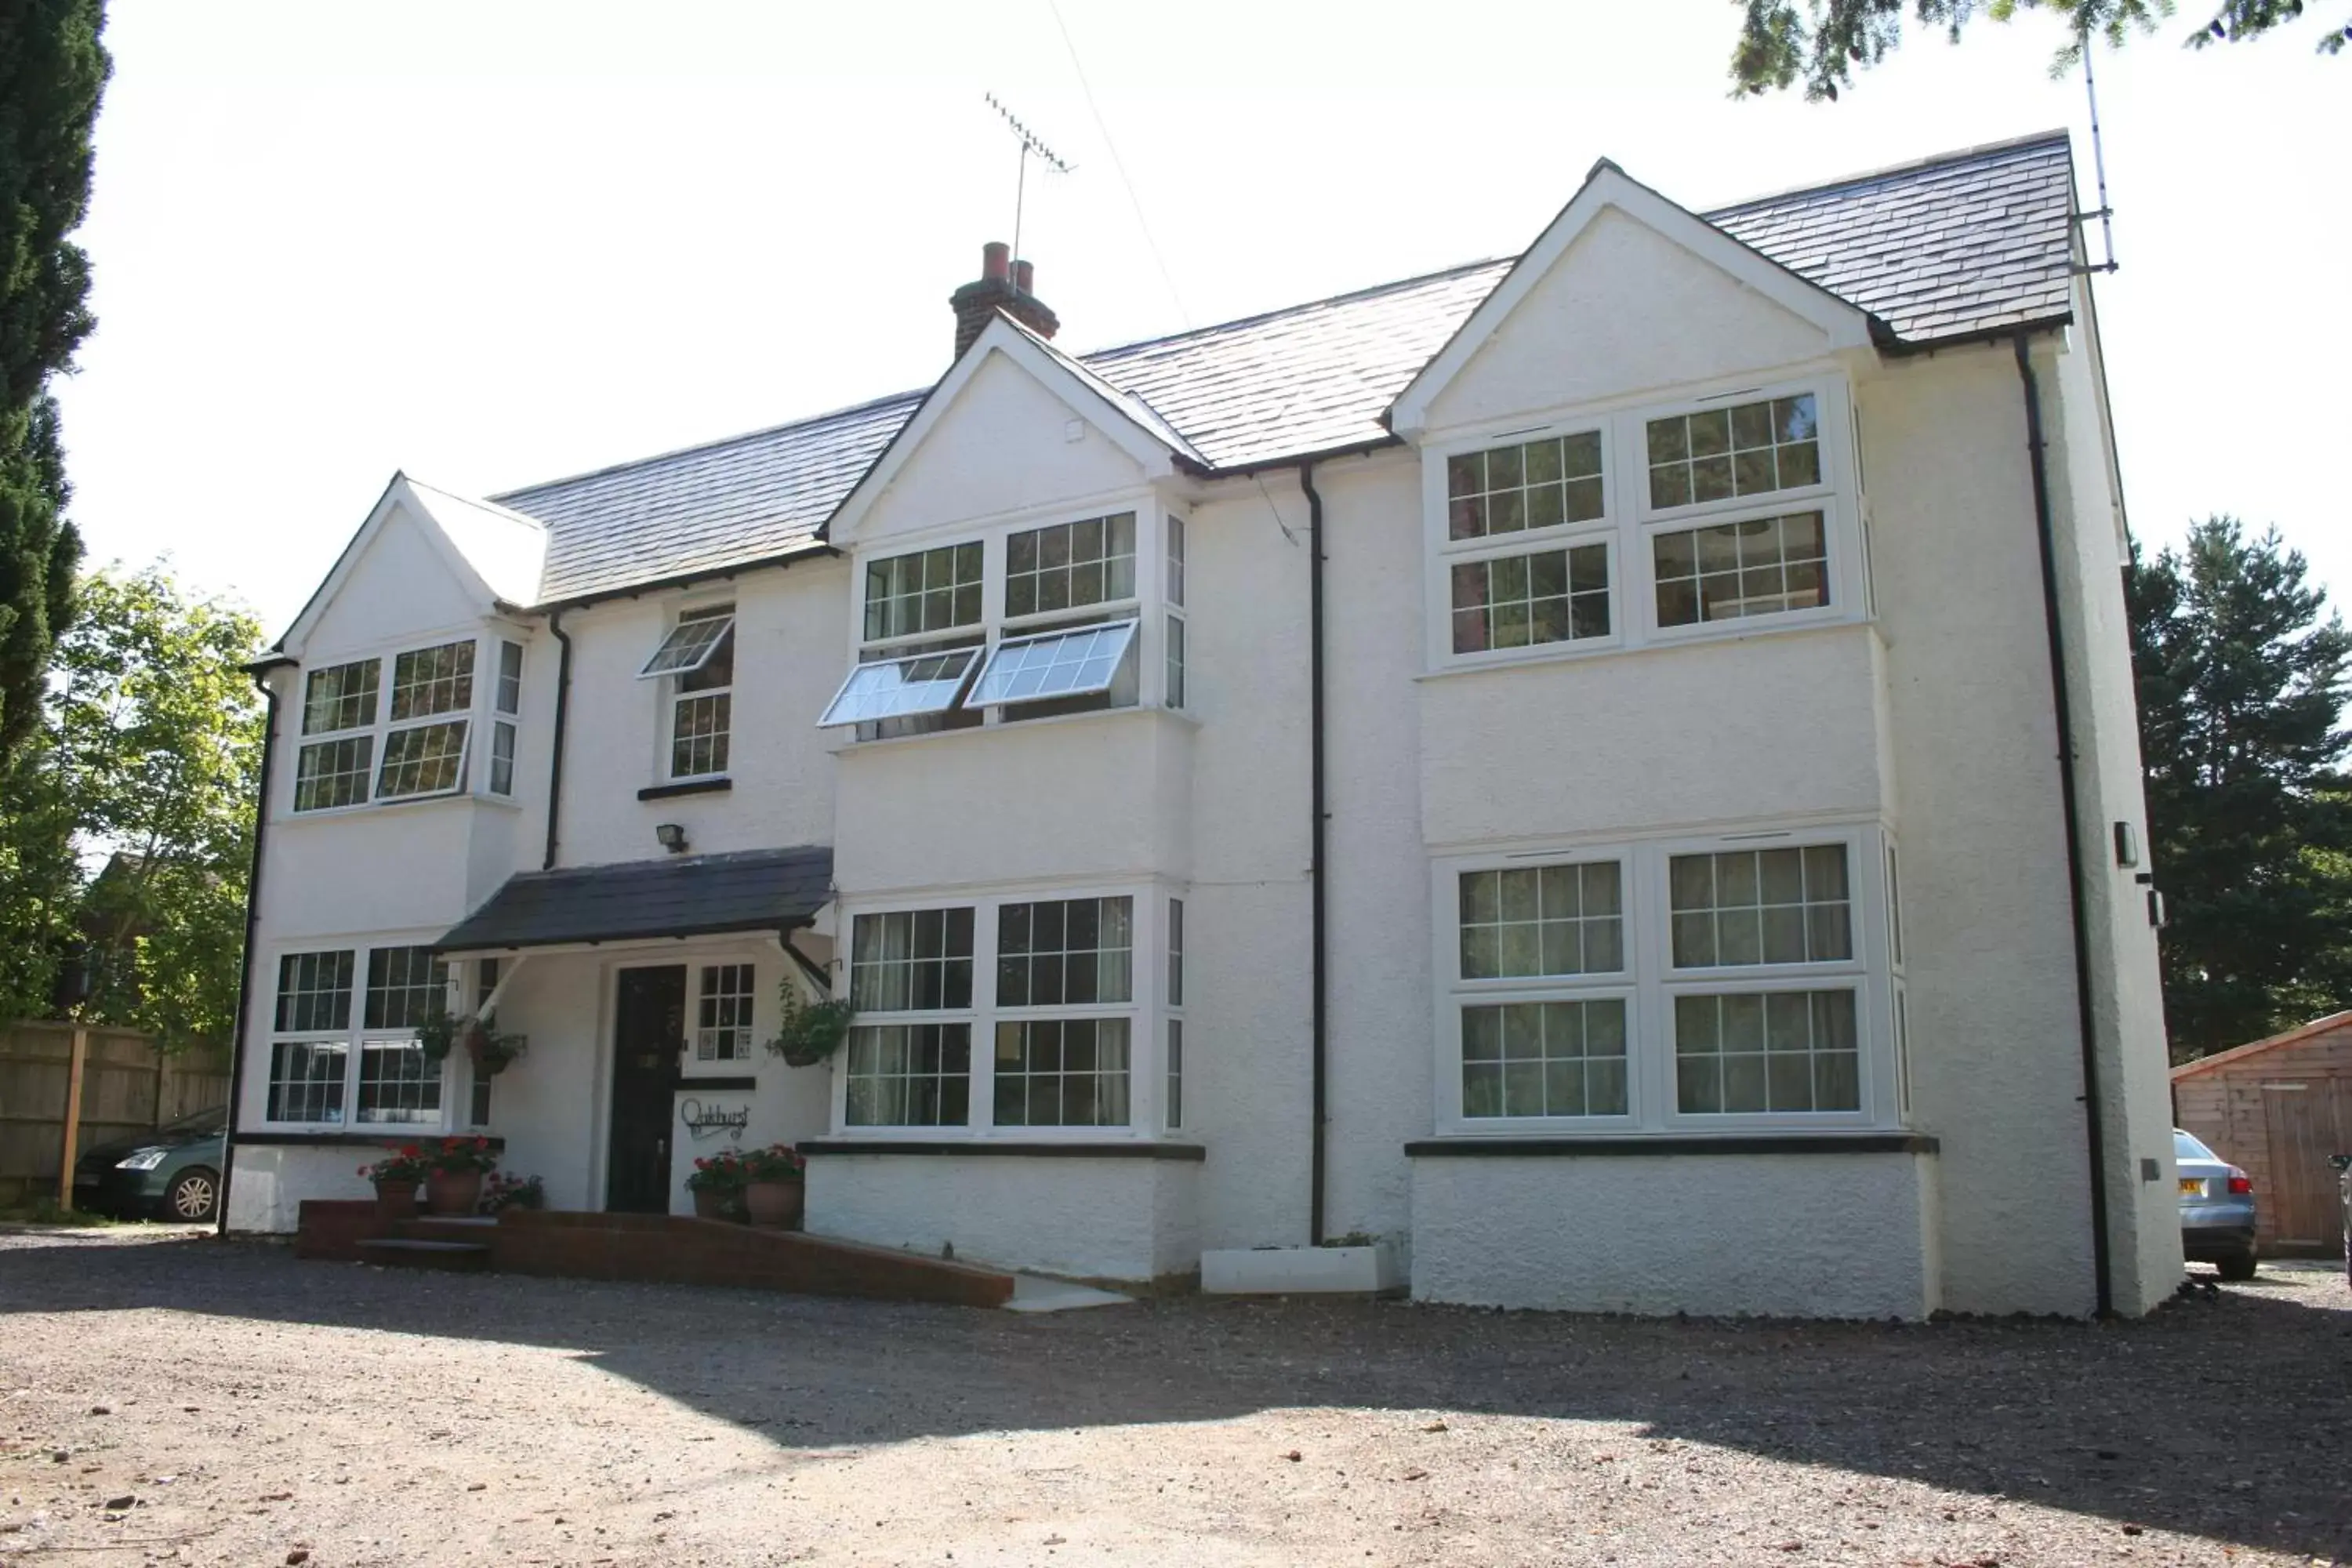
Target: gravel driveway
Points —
{"points": [[250, 1408]]}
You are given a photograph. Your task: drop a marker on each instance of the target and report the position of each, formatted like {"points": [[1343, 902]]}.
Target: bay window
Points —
{"points": [[1029, 623], [1066, 1018], [1674, 987], [337, 1058], [1643, 525], [400, 726]]}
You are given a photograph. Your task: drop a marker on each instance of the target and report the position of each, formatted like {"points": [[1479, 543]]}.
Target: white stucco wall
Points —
{"points": [[1126, 1220], [1836, 1236]]}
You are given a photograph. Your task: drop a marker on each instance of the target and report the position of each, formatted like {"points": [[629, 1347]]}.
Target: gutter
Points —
{"points": [[252, 928], [2095, 1136], [1317, 821], [563, 711]]}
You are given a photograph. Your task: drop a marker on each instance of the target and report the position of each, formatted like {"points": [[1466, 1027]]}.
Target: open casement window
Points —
{"points": [[901, 688], [696, 662], [1074, 663]]}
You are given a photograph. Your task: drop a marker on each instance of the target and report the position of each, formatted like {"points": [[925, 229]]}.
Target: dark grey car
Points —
{"points": [[172, 1174], [2216, 1209]]}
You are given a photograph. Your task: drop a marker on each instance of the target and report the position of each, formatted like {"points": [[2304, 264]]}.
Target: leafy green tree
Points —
{"points": [[52, 71], [153, 743], [40, 881], [1823, 45], [2242, 672]]}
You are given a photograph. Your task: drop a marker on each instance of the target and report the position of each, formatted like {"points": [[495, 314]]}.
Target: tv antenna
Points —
{"points": [[2106, 215], [1031, 145]]}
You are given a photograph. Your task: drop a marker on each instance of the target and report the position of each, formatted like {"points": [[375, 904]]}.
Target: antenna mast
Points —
{"points": [[2106, 215], [1030, 143]]}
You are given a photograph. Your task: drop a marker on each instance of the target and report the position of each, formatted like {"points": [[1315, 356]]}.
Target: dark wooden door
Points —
{"points": [[649, 1020]]}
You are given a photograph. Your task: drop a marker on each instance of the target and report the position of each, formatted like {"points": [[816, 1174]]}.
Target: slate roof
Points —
{"points": [[686, 895], [1963, 244]]}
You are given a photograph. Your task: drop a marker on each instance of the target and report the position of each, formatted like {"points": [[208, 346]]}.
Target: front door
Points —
{"points": [[649, 1022]]}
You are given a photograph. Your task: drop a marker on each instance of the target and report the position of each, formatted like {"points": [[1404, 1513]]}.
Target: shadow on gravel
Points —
{"points": [[2228, 1415]]}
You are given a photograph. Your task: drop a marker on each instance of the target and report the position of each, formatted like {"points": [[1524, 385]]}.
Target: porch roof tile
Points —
{"points": [[634, 901]]}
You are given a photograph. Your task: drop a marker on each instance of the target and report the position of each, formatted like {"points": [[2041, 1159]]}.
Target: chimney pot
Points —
{"points": [[1003, 284], [1025, 276], [994, 258]]}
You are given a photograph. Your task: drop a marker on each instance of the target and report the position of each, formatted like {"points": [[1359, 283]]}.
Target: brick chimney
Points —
{"points": [[1005, 285]]}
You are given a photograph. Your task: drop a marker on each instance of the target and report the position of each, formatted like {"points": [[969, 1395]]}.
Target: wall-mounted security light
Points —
{"points": [[672, 837]]}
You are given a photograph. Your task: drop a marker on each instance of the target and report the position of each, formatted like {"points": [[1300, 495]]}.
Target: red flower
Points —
{"points": [[410, 1151]]}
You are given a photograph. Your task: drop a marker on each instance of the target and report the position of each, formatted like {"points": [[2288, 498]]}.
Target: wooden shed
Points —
{"points": [[2279, 1106]]}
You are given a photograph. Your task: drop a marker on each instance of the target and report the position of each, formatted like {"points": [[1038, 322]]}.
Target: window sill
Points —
{"points": [[387, 1139], [714, 1083], [1037, 1148], [1473, 1146], [1615, 647], [685, 786], [404, 803], [1021, 726]]}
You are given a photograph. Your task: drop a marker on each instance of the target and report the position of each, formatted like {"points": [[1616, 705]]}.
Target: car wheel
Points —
{"points": [[2241, 1267], [193, 1197]]}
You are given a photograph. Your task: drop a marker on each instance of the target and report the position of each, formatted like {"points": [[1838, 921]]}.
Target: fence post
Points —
{"points": [[73, 1116]]}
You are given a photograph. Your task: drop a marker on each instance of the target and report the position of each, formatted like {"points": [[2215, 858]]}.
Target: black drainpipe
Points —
{"points": [[2095, 1136], [562, 708], [1321, 1044], [244, 973]]}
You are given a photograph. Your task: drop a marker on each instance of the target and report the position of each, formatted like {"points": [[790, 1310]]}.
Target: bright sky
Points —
{"points": [[494, 242]]}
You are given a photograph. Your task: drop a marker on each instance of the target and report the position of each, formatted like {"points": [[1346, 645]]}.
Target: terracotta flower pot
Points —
{"points": [[779, 1206], [395, 1200], [713, 1203], [453, 1192]]}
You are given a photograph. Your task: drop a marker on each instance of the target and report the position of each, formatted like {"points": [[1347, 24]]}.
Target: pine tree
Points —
{"points": [[52, 71], [2242, 672]]}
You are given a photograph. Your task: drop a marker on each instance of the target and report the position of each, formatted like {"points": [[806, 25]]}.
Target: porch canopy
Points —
{"points": [[643, 901]]}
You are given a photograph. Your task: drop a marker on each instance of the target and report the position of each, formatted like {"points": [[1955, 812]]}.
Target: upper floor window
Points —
{"points": [[696, 662], [505, 707], [387, 729], [1733, 513], [1057, 632]]}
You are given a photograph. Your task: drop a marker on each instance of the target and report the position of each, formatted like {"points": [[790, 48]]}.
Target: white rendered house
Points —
{"points": [[1614, 773]]}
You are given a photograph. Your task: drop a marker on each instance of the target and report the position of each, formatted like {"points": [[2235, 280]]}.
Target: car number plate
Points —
{"points": [[2192, 1187]]}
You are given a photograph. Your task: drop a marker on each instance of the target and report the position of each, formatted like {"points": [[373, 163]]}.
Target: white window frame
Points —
{"points": [[1146, 1011], [453, 1114], [1630, 523], [1649, 983], [478, 716], [1149, 606], [668, 682]]}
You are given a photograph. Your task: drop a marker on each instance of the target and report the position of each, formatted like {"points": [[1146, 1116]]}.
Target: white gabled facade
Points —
{"points": [[1697, 928]]}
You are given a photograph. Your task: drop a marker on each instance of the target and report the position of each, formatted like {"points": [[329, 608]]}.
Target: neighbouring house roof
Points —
{"points": [[2317, 1027], [686, 895], [1954, 246]]}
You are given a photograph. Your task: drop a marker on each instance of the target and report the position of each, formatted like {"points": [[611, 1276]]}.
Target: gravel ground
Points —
{"points": [[250, 1408]]}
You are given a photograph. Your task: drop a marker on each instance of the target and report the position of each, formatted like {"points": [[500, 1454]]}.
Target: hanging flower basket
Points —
{"points": [[493, 1051], [808, 1032]]}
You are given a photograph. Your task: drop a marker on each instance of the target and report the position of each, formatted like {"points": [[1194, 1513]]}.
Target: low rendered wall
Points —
{"points": [[1778, 1234], [1127, 1218]]}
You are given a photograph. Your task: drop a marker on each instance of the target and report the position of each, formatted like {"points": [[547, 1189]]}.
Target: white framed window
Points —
{"points": [[1038, 618], [696, 664], [384, 728], [333, 1063], [1645, 523], [1017, 1017], [723, 1010], [505, 707], [1732, 984], [907, 1061], [477, 1088], [1171, 1099]]}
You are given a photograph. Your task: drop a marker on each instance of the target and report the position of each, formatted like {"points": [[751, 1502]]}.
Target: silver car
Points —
{"points": [[2216, 1209]]}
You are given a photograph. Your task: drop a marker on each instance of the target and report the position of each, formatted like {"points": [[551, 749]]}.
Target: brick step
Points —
{"points": [[408, 1252]]}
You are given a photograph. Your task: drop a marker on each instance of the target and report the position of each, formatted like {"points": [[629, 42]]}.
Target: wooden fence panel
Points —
{"points": [[128, 1088]]}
